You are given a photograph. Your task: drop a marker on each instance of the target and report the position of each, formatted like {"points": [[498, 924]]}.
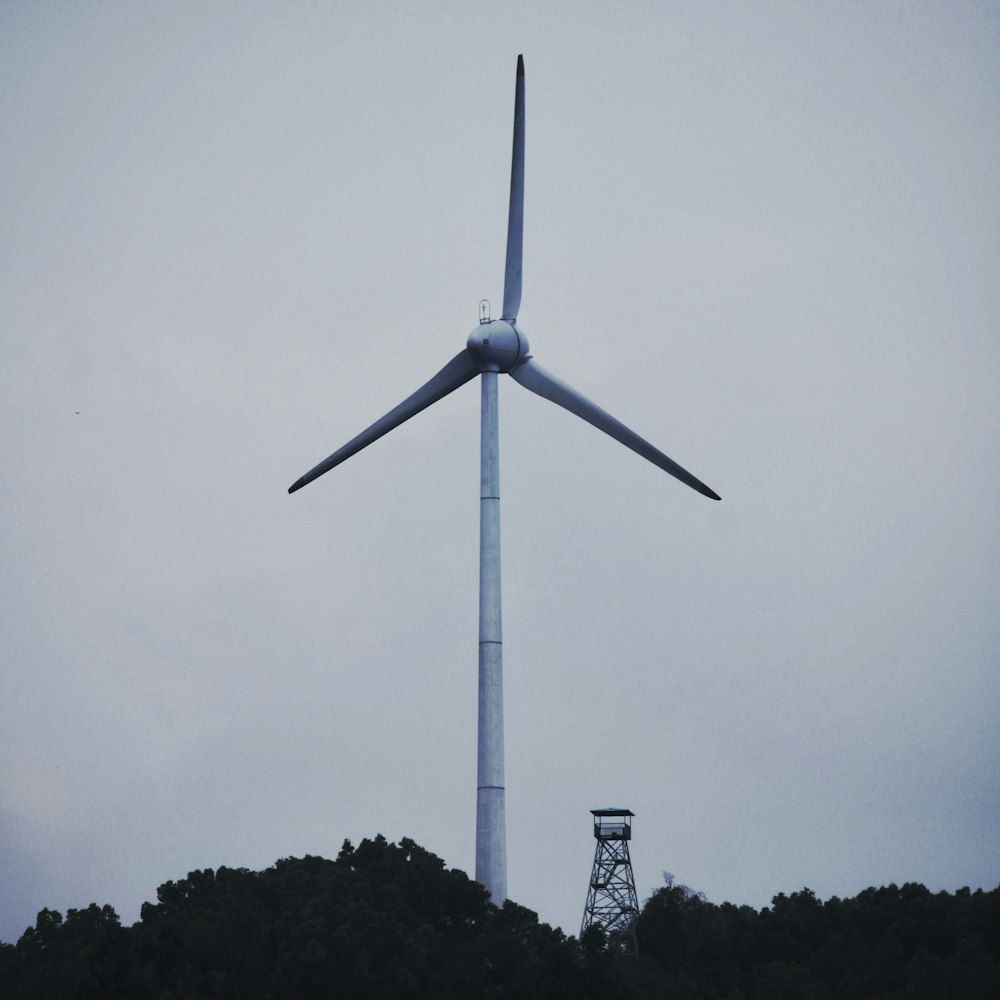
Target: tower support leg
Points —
{"points": [[611, 899]]}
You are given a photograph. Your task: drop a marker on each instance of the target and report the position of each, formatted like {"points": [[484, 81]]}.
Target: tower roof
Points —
{"points": [[610, 811]]}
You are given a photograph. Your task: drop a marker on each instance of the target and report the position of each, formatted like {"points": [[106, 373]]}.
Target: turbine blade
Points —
{"points": [[457, 372], [533, 376], [515, 218]]}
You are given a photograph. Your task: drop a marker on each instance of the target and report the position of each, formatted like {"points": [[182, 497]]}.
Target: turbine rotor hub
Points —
{"points": [[498, 345]]}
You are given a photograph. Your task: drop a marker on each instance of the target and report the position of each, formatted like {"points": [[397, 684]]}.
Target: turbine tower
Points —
{"points": [[496, 347]]}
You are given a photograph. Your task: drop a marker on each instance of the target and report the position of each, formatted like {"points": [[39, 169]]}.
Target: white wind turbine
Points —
{"points": [[497, 346]]}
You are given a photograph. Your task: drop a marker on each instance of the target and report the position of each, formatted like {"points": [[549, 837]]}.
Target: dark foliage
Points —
{"points": [[382, 921], [390, 921], [890, 943]]}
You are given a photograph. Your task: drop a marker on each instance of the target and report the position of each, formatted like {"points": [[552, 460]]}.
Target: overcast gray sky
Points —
{"points": [[765, 236]]}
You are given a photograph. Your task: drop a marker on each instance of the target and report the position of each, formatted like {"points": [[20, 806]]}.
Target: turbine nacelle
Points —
{"points": [[498, 345]]}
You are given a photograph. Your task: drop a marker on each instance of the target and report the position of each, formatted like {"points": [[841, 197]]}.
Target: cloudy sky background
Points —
{"points": [[764, 236]]}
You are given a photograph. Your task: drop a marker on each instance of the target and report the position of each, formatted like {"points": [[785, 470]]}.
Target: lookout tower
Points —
{"points": [[611, 900]]}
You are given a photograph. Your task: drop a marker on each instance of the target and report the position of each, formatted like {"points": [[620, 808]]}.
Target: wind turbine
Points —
{"points": [[495, 347]]}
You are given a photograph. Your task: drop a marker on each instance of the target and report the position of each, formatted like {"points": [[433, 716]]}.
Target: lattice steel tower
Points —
{"points": [[611, 900]]}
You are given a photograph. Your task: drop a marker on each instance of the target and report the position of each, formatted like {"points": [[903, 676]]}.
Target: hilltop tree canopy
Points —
{"points": [[382, 921], [390, 921], [890, 943]]}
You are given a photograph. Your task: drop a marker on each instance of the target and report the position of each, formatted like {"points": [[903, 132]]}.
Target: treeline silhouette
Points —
{"points": [[390, 921], [890, 943]]}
